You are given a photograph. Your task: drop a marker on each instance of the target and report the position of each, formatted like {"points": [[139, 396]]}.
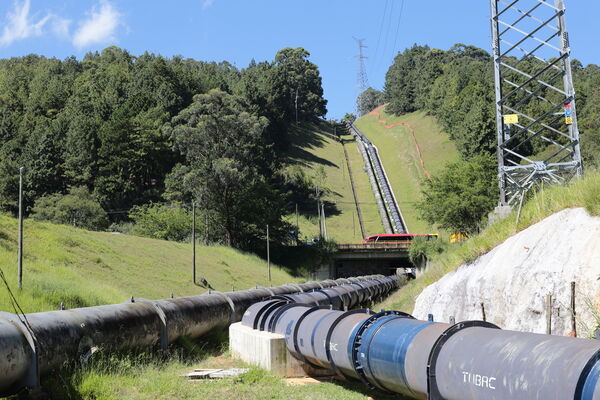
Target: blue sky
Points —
{"points": [[239, 30]]}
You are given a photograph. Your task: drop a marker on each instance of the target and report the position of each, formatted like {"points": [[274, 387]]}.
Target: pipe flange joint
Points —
{"points": [[433, 392], [330, 333], [356, 343]]}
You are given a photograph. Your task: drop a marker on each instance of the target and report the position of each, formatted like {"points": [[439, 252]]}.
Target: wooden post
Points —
{"points": [[483, 312], [297, 225], [573, 312], [20, 255], [194, 243], [268, 257], [548, 314]]}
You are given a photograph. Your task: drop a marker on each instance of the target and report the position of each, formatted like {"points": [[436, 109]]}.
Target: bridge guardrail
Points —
{"points": [[372, 246]]}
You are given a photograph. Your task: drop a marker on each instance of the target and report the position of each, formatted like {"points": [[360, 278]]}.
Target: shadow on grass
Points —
{"points": [[359, 387], [64, 383], [304, 138]]}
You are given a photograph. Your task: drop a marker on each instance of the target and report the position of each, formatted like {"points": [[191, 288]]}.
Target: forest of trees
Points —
{"points": [[125, 131], [457, 87]]}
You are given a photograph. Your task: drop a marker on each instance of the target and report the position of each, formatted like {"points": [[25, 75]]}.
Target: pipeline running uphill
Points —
{"points": [[32, 345], [394, 352]]}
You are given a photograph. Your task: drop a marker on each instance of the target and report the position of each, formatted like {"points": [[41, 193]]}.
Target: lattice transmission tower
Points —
{"points": [[362, 80], [535, 98]]}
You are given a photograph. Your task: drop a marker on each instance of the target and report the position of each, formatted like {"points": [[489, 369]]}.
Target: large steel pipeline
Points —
{"points": [[32, 345], [470, 360], [399, 225]]}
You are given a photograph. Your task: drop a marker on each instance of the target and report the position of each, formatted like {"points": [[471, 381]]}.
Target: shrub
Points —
{"points": [[423, 248], [77, 208], [162, 221], [461, 195]]}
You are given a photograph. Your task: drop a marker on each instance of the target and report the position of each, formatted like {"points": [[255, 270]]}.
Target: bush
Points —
{"points": [[162, 221], [461, 195], [77, 208], [423, 248]]}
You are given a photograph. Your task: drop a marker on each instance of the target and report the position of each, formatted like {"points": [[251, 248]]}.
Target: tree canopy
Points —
{"points": [[132, 129], [457, 87]]}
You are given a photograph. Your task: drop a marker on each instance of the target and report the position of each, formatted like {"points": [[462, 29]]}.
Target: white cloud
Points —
{"points": [[207, 3], [99, 27], [20, 25], [60, 26]]}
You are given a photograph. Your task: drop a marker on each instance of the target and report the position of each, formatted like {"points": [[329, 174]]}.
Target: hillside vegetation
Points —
{"points": [[457, 87], [584, 192], [123, 130], [84, 268], [314, 148], [411, 147]]}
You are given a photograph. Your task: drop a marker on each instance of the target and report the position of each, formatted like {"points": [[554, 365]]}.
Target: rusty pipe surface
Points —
{"points": [[35, 344], [471, 360]]}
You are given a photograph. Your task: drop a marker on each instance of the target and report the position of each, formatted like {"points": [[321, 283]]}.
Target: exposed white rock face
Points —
{"points": [[514, 278]]}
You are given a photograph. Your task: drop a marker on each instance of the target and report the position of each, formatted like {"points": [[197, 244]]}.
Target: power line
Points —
{"points": [[387, 33], [394, 49], [376, 58]]}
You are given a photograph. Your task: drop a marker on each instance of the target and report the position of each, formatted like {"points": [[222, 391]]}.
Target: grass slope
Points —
{"points": [[584, 192], [313, 146], [165, 382], [84, 268], [401, 158]]}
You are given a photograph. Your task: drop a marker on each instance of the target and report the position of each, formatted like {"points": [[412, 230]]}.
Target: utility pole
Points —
{"points": [[296, 105], [323, 221], [362, 80], [268, 257], [20, 268], [297, 225], [319, 210], [194, 242]]}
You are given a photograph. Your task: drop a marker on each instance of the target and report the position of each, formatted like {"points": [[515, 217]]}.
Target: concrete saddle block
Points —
{"points": [[268, 350]]}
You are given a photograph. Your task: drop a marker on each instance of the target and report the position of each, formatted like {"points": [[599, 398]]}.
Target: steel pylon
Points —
{"points": [[535, 98]]}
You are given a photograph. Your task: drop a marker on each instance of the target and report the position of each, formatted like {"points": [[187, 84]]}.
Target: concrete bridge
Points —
{"points": [[366, 258]]}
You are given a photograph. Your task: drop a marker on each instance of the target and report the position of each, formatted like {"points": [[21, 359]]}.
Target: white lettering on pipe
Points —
{"points": [[478, 380]]}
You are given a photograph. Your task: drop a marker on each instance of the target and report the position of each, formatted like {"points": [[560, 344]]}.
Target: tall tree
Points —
{"points": [[222, 144], [369, 100]]}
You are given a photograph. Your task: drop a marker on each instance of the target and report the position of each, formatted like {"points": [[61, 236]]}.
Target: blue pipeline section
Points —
{"points": [[591, 388], [393, 352], [38, 344]]}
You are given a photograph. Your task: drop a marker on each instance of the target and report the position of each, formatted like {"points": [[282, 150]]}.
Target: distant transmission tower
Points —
{"points": [[535, 98], [362, 80]]}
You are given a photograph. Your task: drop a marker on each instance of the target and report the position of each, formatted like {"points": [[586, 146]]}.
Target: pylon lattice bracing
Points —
{"points": [[535, 98], [362, 80]]}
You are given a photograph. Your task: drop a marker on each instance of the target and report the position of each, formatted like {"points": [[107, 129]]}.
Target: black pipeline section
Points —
{"points": [[32, 345], [394, 352]]}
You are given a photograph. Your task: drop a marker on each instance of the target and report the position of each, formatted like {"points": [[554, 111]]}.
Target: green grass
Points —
{"points": [[400, 158], [312, 148], [84, 268], [584, 192], [164, 382]]}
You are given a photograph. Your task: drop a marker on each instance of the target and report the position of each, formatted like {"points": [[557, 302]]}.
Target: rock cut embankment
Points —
{"points": [[514, 278]]}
